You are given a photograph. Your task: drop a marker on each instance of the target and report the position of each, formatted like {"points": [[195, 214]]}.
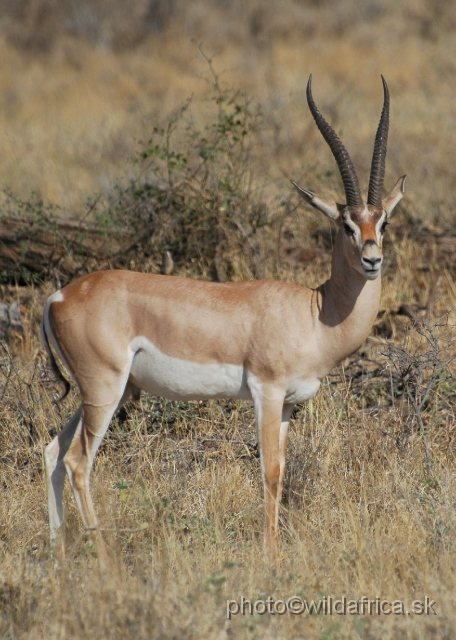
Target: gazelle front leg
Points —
{"points": [[283, 437], [272, 418]]}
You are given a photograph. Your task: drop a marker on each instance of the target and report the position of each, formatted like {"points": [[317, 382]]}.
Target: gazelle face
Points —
{"points": [[362, 227]]}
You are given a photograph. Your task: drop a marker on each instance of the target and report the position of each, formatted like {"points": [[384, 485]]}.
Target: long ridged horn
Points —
{"points": [[340, 153], [377, 174]]}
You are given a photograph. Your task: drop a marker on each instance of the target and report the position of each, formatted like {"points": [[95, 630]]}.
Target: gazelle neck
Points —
{"points": [[349, 305]]}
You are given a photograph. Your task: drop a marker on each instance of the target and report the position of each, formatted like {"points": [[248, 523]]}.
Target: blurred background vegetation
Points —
{"points": [[120, 113], [83, 82]]}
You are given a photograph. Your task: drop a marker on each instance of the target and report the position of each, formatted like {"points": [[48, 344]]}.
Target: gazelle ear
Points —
{"points": [[328, 207], [394, 196]]}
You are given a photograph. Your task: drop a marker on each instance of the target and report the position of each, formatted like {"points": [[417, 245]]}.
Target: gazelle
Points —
{"points": [[270, 342]]}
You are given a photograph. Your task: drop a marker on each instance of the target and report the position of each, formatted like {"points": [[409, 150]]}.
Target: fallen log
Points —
{"points": [[32, 249]]}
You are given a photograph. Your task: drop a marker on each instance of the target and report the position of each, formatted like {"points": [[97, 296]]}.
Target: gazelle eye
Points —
{"points": [[348, 230], [383, 227]]}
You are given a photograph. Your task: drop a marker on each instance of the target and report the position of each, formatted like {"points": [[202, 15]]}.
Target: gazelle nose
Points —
{"points": [[371, 263]]}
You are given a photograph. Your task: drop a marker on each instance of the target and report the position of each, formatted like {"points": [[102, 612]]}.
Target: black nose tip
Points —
{"points": [[372, 263]]}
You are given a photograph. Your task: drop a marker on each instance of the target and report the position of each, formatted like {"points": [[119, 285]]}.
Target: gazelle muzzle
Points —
{"points": [[371, 259]]}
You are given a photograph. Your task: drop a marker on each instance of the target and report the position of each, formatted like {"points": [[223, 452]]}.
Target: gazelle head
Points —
{"points": [[361, 224]]}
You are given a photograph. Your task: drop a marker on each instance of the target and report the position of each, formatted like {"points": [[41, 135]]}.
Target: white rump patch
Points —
{"points": [[55, 297]]}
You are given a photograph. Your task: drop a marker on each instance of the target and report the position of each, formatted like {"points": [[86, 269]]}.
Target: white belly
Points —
{"points": [[176, 379], [301, 389]]}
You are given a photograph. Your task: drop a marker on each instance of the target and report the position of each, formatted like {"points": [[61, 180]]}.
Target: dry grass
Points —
{"points": [[367, 510]]}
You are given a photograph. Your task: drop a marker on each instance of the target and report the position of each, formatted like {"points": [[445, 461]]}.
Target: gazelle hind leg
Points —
{"points": [[55, 472], [80, 456], [79, 461]]}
